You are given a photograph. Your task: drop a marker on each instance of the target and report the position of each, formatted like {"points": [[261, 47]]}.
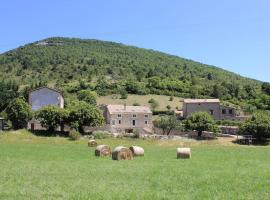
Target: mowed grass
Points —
{"points": [[57, 168], [142, 100]]}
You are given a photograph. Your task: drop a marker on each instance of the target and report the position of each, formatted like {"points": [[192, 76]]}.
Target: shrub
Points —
{"points": [[124, 94], [136, 104], [136, 133], [101, 134], [74, 135], [168, 107], [171, 98]]}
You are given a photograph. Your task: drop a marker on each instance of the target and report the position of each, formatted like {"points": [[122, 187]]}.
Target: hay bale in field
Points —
{"points": [[103, 150], [122, 153], [137, 151], [183, 153], [92, 143]]}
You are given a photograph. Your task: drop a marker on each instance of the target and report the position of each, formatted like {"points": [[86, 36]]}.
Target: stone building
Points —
{"points": [[211, 106], [122, 118]]}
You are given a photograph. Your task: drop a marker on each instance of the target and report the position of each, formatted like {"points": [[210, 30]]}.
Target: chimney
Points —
{"points": [[125, 106]]}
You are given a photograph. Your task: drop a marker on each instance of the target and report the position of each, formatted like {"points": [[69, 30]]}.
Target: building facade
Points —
{"points": [[122, 118], [45, 96], [211, 106]]}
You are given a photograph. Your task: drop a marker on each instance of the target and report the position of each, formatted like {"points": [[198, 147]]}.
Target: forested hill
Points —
{"points": [[73, 64]]}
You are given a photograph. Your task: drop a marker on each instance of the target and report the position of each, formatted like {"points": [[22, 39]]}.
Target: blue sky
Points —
{"points": [[231, 34]]}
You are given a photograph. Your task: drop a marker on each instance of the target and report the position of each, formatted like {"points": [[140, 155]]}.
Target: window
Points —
{"points": [[145, 122], [146, 116], [119, 115], [134, 115], [119, 122], [133, 122], [231, 111], [113, 122], [212, 112], [224, 111]]}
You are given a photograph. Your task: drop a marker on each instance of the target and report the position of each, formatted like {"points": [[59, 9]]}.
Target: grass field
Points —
{"points": [[57, 168], [142, 100]]}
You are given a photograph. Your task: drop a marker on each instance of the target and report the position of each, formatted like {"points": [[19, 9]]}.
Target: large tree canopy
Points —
{"points": [[258, 125], [18, 112]]}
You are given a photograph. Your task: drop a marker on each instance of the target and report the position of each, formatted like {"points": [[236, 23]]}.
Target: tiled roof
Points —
{"points": [[128, 109], [45, 87], [201, 101]]}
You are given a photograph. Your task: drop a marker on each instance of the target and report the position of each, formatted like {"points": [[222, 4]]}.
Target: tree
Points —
{"points": [[82, 114], [266, 88], [18, 112], [200, 121], [167, 124], [88, 96], [258, 126], [51, 117]]}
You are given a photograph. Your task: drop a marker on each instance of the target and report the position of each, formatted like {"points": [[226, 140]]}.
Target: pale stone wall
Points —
{"points": [[126, 121], [189, 108], [45, 96]]}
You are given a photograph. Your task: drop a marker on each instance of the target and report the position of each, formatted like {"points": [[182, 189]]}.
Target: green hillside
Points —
{"points": [[74, 64]]}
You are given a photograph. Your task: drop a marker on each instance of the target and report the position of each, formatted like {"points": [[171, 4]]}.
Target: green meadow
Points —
{"points": [[35, 167]]}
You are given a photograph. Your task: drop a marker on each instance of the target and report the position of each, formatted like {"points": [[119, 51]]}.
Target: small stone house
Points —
{"points": [[212, 106], [122, 118], [41, 97]]}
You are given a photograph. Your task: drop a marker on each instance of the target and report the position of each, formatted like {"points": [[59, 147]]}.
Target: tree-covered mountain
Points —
{"points": [[74, 64]]}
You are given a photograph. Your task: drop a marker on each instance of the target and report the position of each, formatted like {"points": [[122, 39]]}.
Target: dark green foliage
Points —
{"points": [[82, 114], [88, 96], [52, 117], [266, 88], [200, 121], [167, 124], [258, 126], [18, 112]]}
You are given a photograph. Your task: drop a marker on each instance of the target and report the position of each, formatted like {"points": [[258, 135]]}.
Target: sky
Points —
{"points": [[231, 34]]}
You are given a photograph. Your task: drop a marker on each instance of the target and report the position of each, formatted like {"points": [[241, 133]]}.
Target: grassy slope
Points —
{"points": [[142, 100], [56, 168]]}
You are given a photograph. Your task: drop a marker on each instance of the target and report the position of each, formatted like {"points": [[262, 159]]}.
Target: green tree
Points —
{"points": [[167, 124], [200, 121], [258, 126], [88, 96], [82, 114], [18, 112], [51, 117], [266, 88]]}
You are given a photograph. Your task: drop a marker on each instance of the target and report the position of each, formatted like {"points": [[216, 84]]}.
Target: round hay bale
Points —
{"points": [[103, 150], [122, 153], [92, 143], [183, 153], [137, 151]]}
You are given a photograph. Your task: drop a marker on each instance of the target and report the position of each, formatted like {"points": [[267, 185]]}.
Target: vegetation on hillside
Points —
{"points": [[73, 65]]}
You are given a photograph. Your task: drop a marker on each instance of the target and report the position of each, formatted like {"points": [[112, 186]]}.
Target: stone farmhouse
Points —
{"points": [[213, 107], [123, 118], [40, 97]]}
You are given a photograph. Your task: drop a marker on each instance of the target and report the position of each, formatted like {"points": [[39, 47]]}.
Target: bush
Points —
{"points": [[101, 134], [171, 98], [136, 104], [74, 135], [124, 94], [163, 112], [168, 107], [136, 133]]}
